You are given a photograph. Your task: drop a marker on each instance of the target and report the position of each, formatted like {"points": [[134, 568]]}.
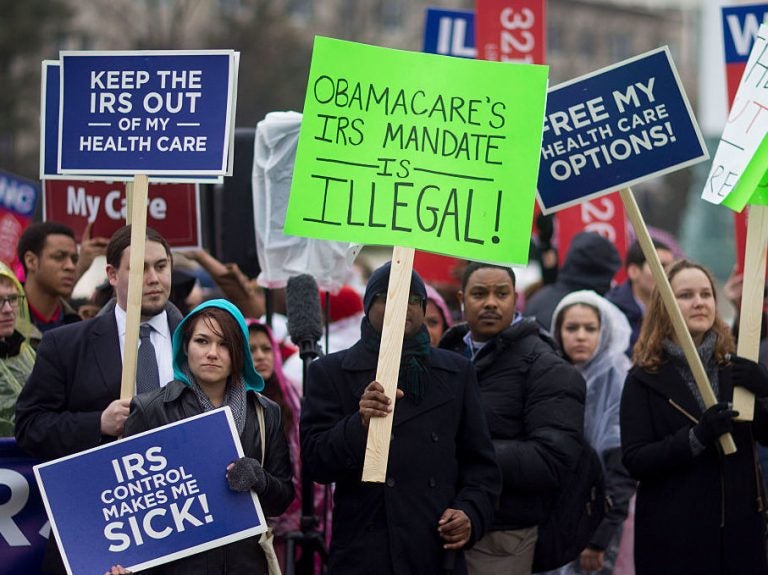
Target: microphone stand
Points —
{"points": [[310, 540]]}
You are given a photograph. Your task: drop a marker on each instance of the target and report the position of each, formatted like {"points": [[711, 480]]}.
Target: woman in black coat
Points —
{"points": [[697, 510], [213, 367]]}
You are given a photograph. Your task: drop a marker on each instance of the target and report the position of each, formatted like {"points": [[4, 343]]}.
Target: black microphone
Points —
{"points": [[305, 318]]}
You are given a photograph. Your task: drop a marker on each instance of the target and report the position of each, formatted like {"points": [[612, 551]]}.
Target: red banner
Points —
{"points": [[604, 215], [436, 269], [510, 30], [172, 209]]}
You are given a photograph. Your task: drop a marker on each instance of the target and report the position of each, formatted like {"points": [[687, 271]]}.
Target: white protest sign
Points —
{"points": [[739, 168]]}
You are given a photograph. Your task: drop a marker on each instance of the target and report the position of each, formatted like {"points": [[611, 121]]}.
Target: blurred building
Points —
{"points": [[275, 38]]}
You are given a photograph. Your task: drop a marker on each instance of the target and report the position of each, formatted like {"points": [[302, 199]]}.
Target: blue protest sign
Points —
{"points": [[450, 32], [18, 196], [614, 128], [50, 92], [154, 113], [49, 137], [24, 527], [150, 498], [740, 25]]}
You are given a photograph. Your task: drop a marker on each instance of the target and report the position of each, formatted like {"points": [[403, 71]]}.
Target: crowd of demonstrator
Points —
{"points": [[494, 405]]}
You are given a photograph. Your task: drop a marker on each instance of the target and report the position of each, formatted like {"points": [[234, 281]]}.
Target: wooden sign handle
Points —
{"points": [[138, 211], [751, 312], [670, 303], [388, 367]]}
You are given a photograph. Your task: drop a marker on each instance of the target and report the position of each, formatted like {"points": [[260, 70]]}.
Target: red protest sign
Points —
{"points": [[510, 30], [173, 209]]}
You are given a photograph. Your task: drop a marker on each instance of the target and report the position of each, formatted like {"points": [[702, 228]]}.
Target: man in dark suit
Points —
{"points": [[71, 400]]}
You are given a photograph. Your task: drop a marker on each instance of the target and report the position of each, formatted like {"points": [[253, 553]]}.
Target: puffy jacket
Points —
{"points": [[534, 404]]}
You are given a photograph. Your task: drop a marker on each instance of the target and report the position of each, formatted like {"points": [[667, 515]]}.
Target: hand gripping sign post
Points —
{"points": [[151, 498], [614, 128], [416, 150], [144, 114], [738, 177]]}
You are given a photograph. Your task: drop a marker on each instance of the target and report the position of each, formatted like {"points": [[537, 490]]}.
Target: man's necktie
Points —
{"points": [[147, 376]]}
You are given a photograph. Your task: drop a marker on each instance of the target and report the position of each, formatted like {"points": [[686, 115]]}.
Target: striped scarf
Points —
{"points": [[234, 398]]}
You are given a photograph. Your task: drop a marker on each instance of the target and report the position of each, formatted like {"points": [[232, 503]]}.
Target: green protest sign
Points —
{"points": [[418, 150], [752, 186]]}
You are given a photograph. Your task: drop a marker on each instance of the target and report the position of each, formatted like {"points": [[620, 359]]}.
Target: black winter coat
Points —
{"points": [[175, 402], [534, 404], [694, 514], [440, 457]]}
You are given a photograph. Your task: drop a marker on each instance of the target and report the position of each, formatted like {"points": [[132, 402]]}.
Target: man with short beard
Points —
{"points": [[534, 404], [71, 400]]}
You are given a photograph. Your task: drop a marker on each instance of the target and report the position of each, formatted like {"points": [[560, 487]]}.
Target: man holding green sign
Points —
{"points": [[409, 150]]}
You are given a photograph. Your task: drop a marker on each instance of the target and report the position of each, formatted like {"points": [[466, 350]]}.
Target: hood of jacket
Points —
{"points": [[249, 375], [23, 319]]}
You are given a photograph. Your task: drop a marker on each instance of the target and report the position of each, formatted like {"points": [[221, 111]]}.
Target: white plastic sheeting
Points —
{"points": [[282, 256]]}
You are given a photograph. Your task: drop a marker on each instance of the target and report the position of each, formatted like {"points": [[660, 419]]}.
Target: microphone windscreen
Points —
{"points": [[302, 302]]}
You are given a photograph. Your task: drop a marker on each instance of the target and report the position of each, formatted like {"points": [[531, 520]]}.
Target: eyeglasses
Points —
{"points": [[12, 299], [413, 299]]}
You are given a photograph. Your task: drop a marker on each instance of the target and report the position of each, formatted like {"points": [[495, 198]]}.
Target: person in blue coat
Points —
{"points": [[441, 478]]}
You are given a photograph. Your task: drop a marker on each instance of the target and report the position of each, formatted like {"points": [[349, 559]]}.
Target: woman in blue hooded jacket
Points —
{"points": [[212, 367]]}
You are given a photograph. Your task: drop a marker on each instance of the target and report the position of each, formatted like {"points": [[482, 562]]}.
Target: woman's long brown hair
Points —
{"points": [[657, 326]]}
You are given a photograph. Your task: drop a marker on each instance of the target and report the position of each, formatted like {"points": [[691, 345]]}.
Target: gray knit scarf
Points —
{"points": [[707, 354], [234, 398]]}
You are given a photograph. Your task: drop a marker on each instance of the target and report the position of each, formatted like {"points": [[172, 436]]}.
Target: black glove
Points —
{"points": [[246, 474], [716, 421], [546, 227], [753, 376]]}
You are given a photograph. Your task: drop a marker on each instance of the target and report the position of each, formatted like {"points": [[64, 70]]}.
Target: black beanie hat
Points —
{"points": [[379, 282]]}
